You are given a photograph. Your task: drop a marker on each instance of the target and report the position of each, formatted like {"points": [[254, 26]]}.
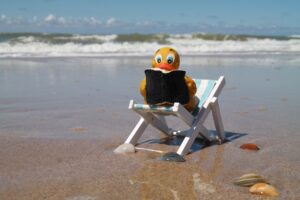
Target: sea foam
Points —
{"points": [[68, 45]]}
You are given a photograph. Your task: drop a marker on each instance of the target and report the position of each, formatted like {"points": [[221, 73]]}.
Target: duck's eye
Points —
{"points": [[158, 58], [170, 58]]}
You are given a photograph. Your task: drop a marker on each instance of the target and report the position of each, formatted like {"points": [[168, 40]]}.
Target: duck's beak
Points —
{"points": [[165, 66]]}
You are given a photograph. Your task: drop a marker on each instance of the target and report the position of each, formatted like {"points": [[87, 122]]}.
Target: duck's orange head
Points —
{"points": [[166, 58]]}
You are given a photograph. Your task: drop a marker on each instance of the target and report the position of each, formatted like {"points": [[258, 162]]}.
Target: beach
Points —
{"points": [[62, 117]]}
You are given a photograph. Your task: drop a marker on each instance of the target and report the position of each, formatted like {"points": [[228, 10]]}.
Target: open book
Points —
{"points": [[166, 87]]}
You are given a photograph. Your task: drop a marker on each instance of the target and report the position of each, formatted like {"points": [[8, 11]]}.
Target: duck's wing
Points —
{"points": [[190, 83]]}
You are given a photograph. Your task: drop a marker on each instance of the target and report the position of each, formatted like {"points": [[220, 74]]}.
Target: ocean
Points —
{"points": [[74, 45]]}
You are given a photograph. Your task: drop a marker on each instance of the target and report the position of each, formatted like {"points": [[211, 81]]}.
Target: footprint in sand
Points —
{"points": [[261, 108], [245, 98], [242, 113], [283, 99], [230, 88], [79, 129], [100, 110], [85, 197], [174, 192], [201, 187]]}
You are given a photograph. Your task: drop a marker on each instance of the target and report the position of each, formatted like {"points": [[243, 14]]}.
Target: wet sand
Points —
{"points": [[61, 118]]}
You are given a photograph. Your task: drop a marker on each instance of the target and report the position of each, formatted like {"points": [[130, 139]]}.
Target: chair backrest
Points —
{"points": [[204, 88]]}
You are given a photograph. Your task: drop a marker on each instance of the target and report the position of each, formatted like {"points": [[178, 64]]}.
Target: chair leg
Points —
{"points": [[217, 118], [137, 131], [189, 140]]}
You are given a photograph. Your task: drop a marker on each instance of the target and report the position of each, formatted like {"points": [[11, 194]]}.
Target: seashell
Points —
{"points": [[264, 189], [248, 180], [249, 146], [172, 156]]}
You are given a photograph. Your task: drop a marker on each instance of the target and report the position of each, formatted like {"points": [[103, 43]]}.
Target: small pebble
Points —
{"points": [[250, 146], [172, 156], [79, 129], [261, 108], [125, 148]]}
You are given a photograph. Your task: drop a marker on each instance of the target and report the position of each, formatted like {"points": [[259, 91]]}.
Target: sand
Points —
{"points": [[61, 119]]}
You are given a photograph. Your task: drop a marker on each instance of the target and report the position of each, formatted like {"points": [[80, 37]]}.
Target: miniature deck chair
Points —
{"points": [[208, 92]]}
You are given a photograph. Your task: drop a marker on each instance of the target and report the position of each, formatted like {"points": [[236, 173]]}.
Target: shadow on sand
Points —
{"points": [[199, 143]]}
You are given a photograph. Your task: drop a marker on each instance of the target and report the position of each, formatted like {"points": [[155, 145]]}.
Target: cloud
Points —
{"points": [[114, 22], [93, 21], [11, 20], [3, 17], [50, 18], [61, 20], [111, 21], [34, 18], [55, 23]]}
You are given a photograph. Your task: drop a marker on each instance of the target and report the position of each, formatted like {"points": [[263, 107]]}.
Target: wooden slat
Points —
{"points": [[217, 118], [154, 121], [137, 131], [182, 113]]}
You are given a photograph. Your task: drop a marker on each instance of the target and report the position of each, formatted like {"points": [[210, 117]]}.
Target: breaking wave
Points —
{"points": [[68, 45]]}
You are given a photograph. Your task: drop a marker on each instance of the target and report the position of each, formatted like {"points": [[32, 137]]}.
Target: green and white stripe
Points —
{"points": [[204, 88]]}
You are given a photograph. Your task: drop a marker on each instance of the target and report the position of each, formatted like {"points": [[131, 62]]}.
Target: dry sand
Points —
{"points": [[60, 120]]}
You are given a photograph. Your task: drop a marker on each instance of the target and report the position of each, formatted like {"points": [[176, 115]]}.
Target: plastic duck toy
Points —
{"points": [[167, 59]]}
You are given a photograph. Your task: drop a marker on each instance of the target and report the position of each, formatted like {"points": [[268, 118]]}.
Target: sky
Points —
{"points": [[259, 17]]}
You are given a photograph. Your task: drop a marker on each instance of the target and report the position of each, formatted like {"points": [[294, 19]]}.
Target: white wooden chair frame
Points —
{"points": [[154, 115]]}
